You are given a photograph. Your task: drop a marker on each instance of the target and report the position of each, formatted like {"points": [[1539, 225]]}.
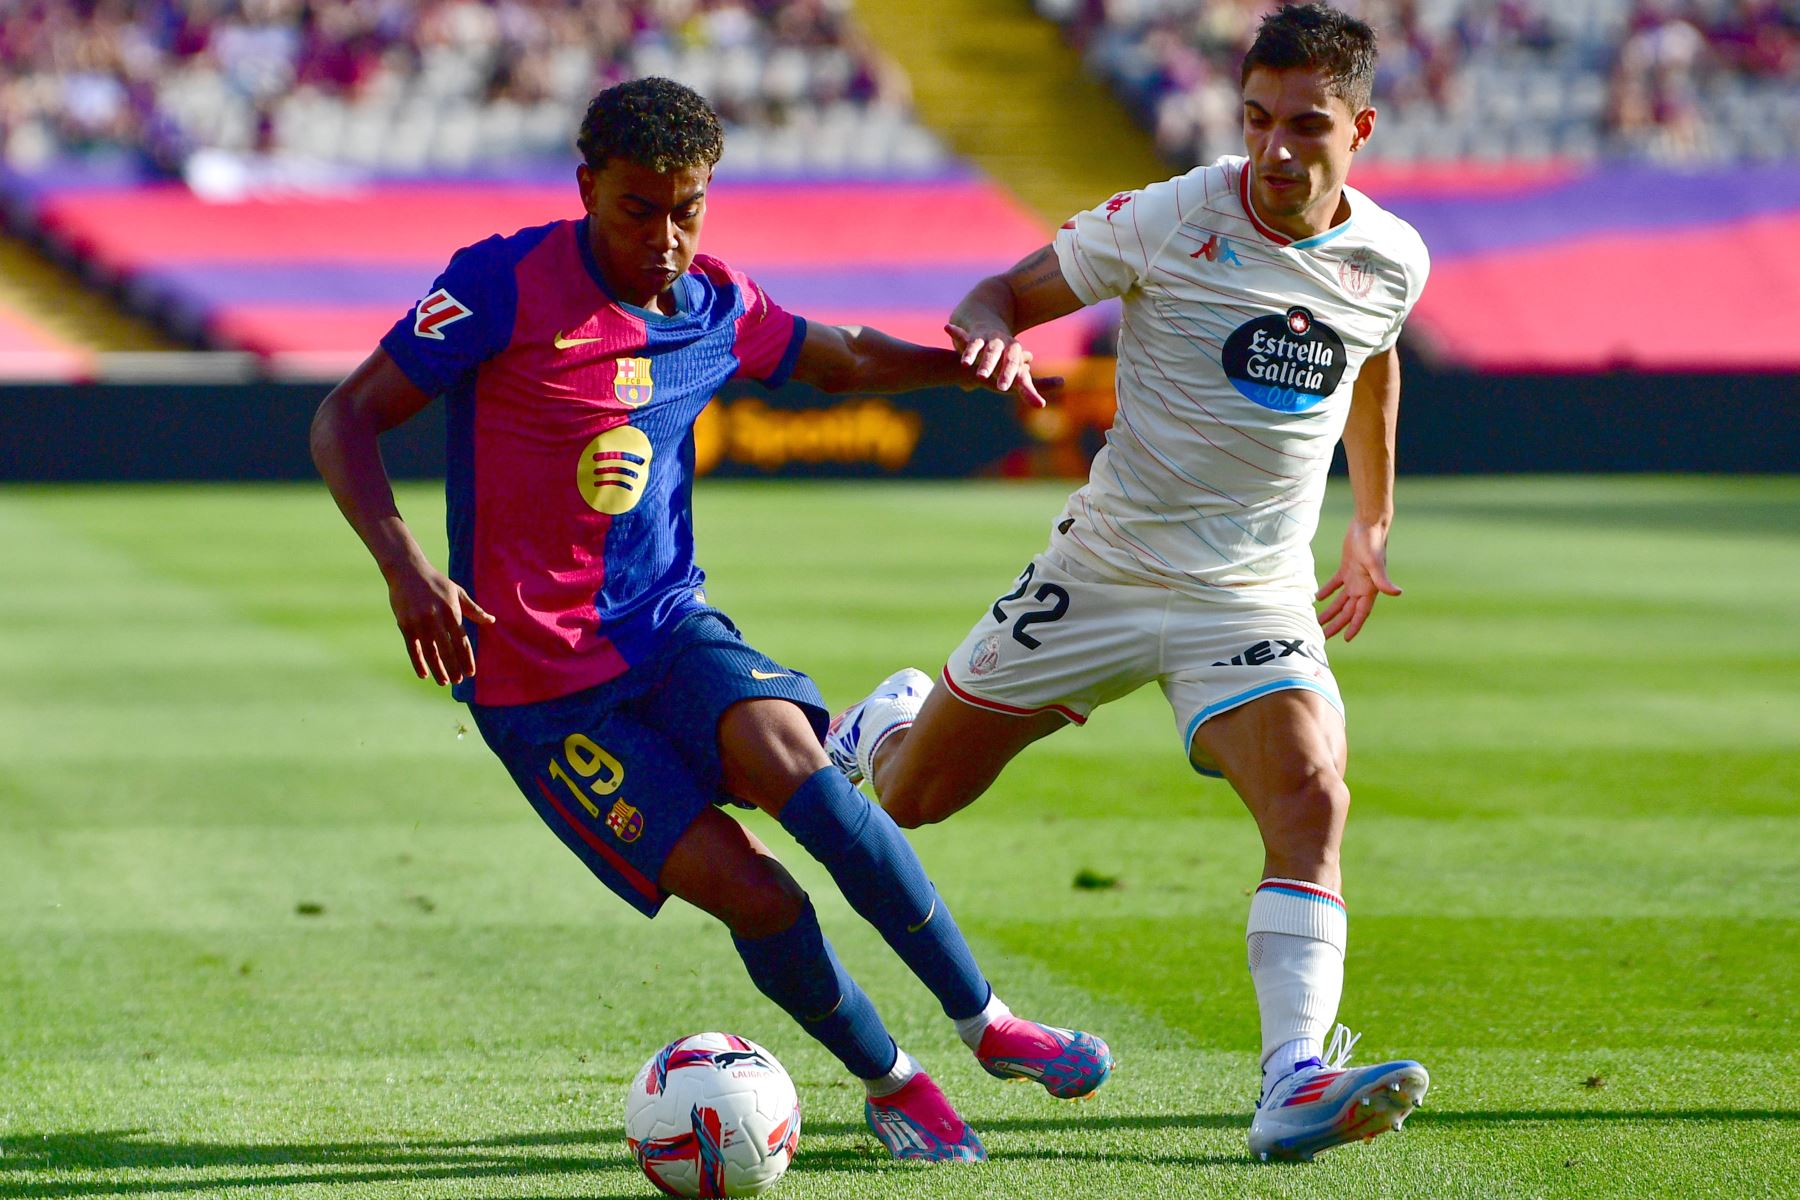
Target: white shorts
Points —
{"points": [[1067, 639]]}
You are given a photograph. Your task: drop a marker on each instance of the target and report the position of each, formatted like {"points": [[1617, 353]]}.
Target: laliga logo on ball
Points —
{"points": [[712, 1114]]}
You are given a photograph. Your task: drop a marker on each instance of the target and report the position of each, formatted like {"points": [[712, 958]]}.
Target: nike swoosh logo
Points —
{"points": [[755, 674], [563, 343], [922, 924]]}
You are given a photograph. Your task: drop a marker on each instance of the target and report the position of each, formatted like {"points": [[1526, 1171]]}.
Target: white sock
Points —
{"points": [[898, 1075], [970, 1029], [1280, 1064], [1296, 938]]}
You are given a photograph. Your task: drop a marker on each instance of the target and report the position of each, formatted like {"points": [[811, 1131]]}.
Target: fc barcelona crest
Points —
{"points": [[626, 822], [632, 384]]}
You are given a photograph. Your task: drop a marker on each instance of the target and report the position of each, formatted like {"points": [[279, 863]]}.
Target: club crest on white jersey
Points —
{"points": [[436, 311]]}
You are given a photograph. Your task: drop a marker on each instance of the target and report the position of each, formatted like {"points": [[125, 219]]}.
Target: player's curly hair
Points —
{"points": [[1317, 35], [654, 122]]}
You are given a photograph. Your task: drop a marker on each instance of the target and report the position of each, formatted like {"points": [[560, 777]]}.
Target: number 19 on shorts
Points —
{"points": [[587, 771]]}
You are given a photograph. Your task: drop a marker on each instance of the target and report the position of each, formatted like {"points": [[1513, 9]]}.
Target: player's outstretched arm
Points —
{"points": [[854, 358], [428, 606], [985, 326], [1369, 449]]}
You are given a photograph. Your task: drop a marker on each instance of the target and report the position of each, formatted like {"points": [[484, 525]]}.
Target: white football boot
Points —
{"points": [[1328, 1103], [857, 732]]}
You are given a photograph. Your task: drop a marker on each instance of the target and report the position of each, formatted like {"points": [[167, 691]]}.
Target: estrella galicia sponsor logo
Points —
{"points": [[1273, 649], [1288, 363]]}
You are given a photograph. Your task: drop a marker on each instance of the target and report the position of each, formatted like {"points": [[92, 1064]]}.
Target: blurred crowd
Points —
{"points": [[454, 84], [1667, 79], [425, 84]]}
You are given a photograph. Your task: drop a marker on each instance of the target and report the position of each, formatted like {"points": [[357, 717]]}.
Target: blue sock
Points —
{"points": [[797, 969], [878, 872]]}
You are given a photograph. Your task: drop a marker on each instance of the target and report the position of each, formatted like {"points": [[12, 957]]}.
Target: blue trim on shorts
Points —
{"points": [[1231, 702]]}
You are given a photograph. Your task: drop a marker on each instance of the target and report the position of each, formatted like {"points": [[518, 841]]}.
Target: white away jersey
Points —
{"points": [[1237, 354]]}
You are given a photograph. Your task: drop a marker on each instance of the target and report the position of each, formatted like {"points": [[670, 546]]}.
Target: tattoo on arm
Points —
{"points": [[1036, 270]]}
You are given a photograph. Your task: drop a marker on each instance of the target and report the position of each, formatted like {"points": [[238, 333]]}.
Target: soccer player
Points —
{"points": [[574, 359], [1262, 301]]}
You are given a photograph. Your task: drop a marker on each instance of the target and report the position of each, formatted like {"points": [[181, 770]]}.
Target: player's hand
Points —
{"points": [[1360, 578], [429, 607], [1002, 362]]}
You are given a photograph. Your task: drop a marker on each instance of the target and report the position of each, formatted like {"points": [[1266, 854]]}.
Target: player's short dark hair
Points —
{"points": [[1317, 35], [654, 122]]}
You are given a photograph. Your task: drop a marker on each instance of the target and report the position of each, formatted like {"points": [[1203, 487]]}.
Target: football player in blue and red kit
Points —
{"points": [[574, 359]]}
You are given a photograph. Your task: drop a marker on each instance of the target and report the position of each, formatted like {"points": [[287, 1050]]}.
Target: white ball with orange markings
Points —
{"points": [[712, 1114]]}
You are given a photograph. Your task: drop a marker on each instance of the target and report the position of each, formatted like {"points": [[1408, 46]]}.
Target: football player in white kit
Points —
{"points": [[1262, 301]]}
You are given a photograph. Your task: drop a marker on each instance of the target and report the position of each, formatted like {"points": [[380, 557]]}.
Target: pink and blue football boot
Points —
{"points": [[917, 1123], [1068, 1063]]}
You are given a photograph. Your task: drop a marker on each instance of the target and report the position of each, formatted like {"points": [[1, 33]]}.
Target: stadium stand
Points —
{"points": [[1604, 184], [29, 351], [286, 176], [1007, 93], [196, 87], [1669, 80], [313, 283], [53, 326]]}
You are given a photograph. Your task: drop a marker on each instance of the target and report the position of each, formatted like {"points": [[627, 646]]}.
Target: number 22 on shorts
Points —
{"points": [[590, 762], [1059, 605]]}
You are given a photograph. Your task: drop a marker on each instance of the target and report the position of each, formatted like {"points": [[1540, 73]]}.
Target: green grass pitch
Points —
{"points": [[271, 924]]}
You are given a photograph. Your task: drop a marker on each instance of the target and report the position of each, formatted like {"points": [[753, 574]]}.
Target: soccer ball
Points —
{"points": [[712, 1114]]}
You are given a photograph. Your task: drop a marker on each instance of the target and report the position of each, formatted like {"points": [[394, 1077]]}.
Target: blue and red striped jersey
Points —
{"points": [[571, 449]]}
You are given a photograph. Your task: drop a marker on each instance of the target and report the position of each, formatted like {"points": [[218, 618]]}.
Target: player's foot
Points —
{"points": [[918, 1123], [857, 732], [1070, 1064], [1328, 1103]]}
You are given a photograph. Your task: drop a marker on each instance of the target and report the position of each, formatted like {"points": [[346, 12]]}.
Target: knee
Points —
{"points": [[913, 802], [767, 750], [911, 792], [764, 909], [1313, 807], [906, 812]]}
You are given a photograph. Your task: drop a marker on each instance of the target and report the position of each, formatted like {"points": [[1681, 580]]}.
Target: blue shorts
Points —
{"points": [[621, 770]]}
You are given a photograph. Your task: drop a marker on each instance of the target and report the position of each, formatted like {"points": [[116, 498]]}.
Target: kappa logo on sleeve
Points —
{"points": [[436, 311]]}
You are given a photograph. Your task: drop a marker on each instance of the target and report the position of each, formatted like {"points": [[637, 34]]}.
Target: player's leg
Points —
{"points": [[771, 757], [1043, 656], [722, 868], [766, 745], [944, 758], [628, 803], [1284, 752], [754, 727]]}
